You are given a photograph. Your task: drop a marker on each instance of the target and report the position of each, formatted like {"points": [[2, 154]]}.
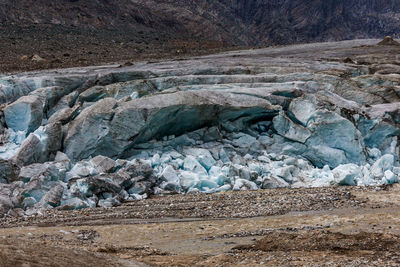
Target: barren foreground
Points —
{"points": [[350, 226], [276, 119]]}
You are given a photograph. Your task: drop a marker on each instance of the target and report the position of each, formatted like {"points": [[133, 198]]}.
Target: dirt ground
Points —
{"points": [[35, 47], [352, 226]]}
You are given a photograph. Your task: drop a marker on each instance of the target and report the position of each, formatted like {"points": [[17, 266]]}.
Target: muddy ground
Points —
{"points": [[352, 226]]}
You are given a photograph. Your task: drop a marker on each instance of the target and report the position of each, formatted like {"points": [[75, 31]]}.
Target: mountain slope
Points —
{"points": [[245, 22], [69, 33]]}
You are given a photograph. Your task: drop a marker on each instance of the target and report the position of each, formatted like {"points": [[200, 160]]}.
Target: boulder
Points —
{"points": [[103, 164], [242, 184], [290, 130], [54, 171], [53, 197], [29, 152], [8, 171]]}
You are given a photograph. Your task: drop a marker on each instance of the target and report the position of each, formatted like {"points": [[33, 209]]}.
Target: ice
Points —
{"points": [[381, 165], [191, 164], [25, 114], [170, 175], [347, 174], [202, 155], [74, 204], [390, 177], [82, 169]]}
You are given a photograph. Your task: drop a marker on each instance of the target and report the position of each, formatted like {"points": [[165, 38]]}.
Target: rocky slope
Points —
{"points": [[44, 35], [233, 21], [297, 116]]}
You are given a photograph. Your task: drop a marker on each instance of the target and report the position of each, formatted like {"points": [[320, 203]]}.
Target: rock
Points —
{"points": [[29, 152], [25, 114], [103, 164], [53, 196], [37, 58], [8, 171], [73, 204], [242, 184], [271, 182], [388, 40]]}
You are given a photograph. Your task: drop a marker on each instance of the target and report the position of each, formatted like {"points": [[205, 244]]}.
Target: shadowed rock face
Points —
{"points": [[296, 116], [242, 22]]}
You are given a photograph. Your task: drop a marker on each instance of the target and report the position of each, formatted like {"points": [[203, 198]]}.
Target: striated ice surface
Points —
{"points": [[99, 136]]}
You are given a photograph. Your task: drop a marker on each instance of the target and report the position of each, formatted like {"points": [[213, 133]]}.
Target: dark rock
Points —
{"points": [[8, 171], [388, 40]]}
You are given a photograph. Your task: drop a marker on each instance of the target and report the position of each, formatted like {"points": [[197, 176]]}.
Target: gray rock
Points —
{"points": [[53, 196], [65, 115], [29, 152], [73, 204], [103, 164], [271, 182], [8, 171]]}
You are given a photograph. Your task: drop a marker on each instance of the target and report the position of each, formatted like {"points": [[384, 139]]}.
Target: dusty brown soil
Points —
{"points": [[352, 226], [64, 47]]}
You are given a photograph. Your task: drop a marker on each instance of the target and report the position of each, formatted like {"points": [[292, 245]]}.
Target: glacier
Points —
{"points": [[243, 120]]}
